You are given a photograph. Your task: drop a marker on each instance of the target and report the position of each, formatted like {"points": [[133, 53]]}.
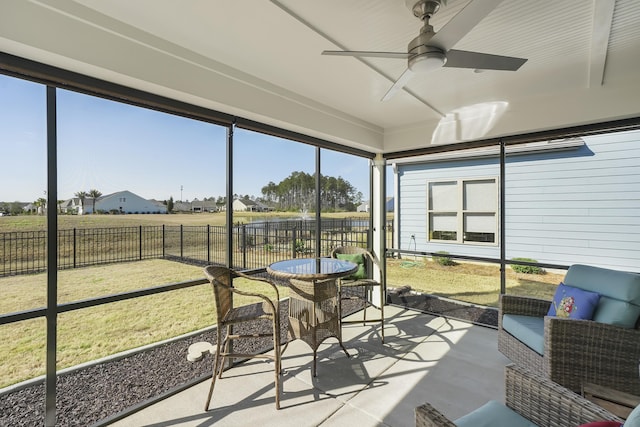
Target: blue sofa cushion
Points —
{"points": [[493, 414], [573, 303], [633, 420], [615, 284], [617, 313], [529, 330]]}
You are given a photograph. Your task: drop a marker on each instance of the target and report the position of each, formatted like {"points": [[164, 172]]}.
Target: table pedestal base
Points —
{"points": [[314, 313]]}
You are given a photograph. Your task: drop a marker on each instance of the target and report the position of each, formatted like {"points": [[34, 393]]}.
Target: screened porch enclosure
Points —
{"points": [[98, 99]]}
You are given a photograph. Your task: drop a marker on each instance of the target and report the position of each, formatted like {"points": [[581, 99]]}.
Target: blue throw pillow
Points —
{"points": [[573, 303]]}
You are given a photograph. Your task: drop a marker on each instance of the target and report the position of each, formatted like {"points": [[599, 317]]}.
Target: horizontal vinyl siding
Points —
{"points": [[565, 207], [581, 208]]}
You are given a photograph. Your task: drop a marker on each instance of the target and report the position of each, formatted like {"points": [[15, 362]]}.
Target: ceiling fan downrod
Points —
{"points": [[423, 57]]}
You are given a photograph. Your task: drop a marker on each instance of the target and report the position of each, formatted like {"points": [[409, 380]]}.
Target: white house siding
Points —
{"points": [[124, 202], [239, 206], [563, 207], [579, 209]]}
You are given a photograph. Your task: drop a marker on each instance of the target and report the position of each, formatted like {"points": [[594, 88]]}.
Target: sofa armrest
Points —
{"points": [[547, 403], [536, 398], [428, 416], [578, 351], [526, 306]]}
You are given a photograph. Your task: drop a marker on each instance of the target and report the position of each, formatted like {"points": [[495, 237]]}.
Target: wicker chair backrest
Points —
{"points": [[221, 279]]}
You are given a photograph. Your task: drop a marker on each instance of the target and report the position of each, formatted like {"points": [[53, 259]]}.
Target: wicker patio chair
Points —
{"points": [[228, 315], [534, 397], [577, 352], [367, 260]]}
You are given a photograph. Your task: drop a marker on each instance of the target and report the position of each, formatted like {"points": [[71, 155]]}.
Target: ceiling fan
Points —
{"points": [[431, 50]]}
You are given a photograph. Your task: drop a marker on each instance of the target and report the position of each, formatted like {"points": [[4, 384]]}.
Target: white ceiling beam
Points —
{"points": [[602, 21]]}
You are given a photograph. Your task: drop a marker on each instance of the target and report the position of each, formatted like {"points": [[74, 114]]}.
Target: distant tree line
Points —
{"points": [[297, 192]]}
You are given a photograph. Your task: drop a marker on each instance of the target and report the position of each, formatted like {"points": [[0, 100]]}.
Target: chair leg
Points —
{"points": [[383, 301], [366, 300], [217, 365], [225, 348], [276, 355], [313, 369]]}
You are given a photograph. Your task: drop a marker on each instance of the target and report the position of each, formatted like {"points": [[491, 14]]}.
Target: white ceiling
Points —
{"points": [[261, 60]]}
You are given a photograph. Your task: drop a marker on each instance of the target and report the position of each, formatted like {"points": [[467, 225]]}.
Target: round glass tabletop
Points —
{"points": [[312, 268]]}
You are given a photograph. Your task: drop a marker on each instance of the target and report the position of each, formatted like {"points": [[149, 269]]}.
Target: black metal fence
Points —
{"points": [[255, 244]]}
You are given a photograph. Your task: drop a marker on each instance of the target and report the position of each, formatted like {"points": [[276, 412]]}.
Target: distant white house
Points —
{"points": [[246, 205], [72, 206], [124, 202], [30, 208], [365, 207], [203, 206], [196, 206]]}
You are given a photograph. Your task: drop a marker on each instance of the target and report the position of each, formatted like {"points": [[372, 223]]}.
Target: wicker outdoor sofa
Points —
{"points": [[604, 351], [532, 396]]}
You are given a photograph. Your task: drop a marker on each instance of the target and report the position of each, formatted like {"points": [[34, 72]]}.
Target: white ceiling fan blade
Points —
{"points": [[462, 23], [366, 54], [399, 84], [482, 61]]}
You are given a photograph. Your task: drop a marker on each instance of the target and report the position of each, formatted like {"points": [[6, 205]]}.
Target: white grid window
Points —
{"points": [[463, 210]]}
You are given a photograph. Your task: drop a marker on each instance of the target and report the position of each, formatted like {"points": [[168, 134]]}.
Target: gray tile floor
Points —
{"points": [[451, 364]]}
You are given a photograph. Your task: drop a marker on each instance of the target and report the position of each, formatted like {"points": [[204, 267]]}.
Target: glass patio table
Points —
{"points": [[314, 306]]}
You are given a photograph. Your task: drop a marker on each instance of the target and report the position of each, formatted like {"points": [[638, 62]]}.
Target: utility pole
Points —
{"points": [[181, 194]]}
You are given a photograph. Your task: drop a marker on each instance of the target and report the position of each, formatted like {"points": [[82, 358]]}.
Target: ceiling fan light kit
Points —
{"points": [[427, 61], [430, 50]]}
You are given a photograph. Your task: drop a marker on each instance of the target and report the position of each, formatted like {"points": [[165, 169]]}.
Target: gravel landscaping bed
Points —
{"points": [[98, 392], [439, 306]]}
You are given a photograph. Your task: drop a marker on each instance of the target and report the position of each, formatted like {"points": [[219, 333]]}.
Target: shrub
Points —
{"points": [[299, 246], [443, 260], [527, 269]]}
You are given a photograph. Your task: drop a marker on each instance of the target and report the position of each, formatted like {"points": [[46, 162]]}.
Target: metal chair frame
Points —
{"points": [[368, 284], [221, 279]]}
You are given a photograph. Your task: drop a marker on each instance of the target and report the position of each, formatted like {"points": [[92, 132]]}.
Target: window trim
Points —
{"points": [[460, 212]]}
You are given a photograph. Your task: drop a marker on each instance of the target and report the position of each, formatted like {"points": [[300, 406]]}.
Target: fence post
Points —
{"points": [[293, 242], [163, 238], [208, 243], [74, 247], [181, 241], [140, 242], [243, 241]]}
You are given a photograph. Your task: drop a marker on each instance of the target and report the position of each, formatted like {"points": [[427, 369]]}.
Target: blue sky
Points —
{"points": [[111, 146]]}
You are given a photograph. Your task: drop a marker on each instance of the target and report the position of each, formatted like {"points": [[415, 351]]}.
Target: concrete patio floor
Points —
{"points": [[452, 364]]}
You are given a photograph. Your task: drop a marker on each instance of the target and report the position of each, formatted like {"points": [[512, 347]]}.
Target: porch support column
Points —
{"points": [[378, 220], [52, 259], [229, 190]]}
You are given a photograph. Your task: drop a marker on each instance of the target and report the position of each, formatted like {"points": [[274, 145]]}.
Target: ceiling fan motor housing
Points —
{"points": [[423, 57]]}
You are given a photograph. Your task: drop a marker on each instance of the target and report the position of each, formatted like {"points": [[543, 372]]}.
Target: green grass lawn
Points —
{"points": [[469, 282], [39, 222], [92, 333]]}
